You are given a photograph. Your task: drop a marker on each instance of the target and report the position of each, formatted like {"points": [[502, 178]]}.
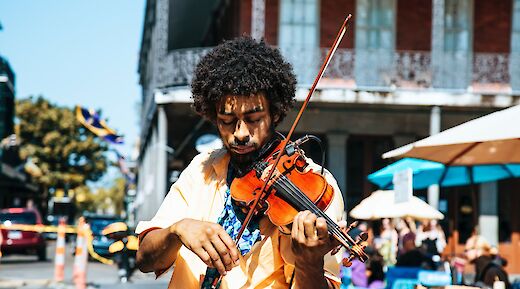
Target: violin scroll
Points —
{"points": [[357, 250]]}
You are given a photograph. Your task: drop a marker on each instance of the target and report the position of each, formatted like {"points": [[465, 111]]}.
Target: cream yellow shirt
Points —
{"points": [[199, 193]]}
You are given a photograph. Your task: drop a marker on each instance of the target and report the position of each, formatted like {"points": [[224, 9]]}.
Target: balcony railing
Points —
{"points": [[377, 69]]}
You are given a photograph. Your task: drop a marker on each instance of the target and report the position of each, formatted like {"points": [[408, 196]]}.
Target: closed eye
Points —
{"points": [[253, 120], [227, 121]]}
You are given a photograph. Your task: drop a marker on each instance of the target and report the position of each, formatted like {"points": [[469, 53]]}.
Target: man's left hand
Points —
{"points": [[310, 239]]}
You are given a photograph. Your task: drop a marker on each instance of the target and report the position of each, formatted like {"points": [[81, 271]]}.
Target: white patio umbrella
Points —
{"points": [[381, 204], [491, 139]]}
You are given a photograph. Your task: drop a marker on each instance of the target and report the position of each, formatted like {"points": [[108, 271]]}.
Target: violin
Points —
{"points": [[293, 188]]}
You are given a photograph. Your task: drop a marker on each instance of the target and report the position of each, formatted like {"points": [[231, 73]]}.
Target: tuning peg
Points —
{"points": [[347, 262], [351, 226]]}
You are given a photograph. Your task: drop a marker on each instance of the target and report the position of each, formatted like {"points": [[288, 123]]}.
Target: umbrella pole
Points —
{"points": [[454, 223], [473, 187]]}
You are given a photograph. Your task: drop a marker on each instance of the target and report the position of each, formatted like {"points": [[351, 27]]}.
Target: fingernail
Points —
{"points": [[237, 261]]}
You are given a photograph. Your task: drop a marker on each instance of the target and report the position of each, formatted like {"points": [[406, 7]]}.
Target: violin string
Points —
{"points": [[303, 201], [308, 204]]}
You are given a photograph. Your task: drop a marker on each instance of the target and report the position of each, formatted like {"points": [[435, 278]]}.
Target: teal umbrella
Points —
{"points": [[426, 173]]}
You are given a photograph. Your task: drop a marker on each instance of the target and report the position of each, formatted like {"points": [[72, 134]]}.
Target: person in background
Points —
{"points": [[375, 272], [406, 229], [123, 249], [497, 258], [487, 271], [386, 242], [431, 238], [369, 274], [413, 256]]}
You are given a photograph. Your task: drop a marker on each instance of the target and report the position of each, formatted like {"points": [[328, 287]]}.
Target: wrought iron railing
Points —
{"points": [[491, 68], [184, 62], [378, 68]]}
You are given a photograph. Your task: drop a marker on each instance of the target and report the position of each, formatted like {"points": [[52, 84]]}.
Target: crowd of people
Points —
{"points": [[405, 243]]}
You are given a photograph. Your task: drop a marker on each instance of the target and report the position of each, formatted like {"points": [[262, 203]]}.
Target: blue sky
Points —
{"points": [[78, 52]]}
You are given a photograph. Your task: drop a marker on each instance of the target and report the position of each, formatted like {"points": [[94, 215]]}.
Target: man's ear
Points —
{"points": [[276, 118]]}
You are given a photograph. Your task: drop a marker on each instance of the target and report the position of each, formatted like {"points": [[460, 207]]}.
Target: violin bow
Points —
{"points": [[251, 212], [326, 62]]}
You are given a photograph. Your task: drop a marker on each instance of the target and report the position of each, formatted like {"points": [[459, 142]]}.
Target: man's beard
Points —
{"points": [[243, 163]]}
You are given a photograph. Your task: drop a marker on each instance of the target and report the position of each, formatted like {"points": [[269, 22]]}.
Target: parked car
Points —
{"points": [[22, 242], [97, 223]]}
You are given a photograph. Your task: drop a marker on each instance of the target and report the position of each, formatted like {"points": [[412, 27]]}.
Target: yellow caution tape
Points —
{"points": [[132, 241], [68, 230], [38, 228], [93, 253]]}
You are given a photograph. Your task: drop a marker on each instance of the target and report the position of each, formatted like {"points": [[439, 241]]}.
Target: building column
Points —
{"points": [[152, 180], [514, 58], [337, 159], [146, 182], [161, 162], [488, 218], [258, 19], [435, 128], [437, 48]]}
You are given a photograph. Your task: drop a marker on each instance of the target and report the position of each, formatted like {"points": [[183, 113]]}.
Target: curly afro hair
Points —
{"points": [[243, 66]]}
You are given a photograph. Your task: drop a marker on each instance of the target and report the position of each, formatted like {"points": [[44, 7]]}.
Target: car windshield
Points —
{"points": [[97, 225], [18, 218]]}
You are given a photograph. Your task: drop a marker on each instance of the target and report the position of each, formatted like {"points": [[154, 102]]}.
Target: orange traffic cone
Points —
{"points": [[81, 258], [59, 259]]}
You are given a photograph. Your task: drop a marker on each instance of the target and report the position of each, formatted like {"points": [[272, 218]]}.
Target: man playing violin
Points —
{"points": [[245, 88]]}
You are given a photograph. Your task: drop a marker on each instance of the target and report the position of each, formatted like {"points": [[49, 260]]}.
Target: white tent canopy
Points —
{"points": [[381, 204], [491, 139]]}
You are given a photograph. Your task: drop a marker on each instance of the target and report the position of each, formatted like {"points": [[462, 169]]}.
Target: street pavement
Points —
{"points": [[26, 272]]}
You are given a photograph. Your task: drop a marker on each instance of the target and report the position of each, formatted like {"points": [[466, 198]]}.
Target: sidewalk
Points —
{"points": [[139, 280]]}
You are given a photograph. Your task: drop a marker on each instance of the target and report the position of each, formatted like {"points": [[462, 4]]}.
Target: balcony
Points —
{"points": [[487, 73]]}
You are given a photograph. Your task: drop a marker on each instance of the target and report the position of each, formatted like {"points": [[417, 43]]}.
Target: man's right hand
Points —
{"points": [[209, 241]]}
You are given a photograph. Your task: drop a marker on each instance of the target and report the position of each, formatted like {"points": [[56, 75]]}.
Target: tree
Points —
{"points": [[67, 154], [103, 200]]}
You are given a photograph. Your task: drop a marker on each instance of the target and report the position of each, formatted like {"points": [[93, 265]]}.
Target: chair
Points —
{"points": [[430, 278], [403, 283], [395, 273]]}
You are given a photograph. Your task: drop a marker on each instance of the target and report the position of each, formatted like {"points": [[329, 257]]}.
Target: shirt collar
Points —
{"points": [[219, 161]]}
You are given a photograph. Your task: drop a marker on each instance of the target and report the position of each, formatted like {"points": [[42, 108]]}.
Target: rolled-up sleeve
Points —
{"points": [[176, 203]]}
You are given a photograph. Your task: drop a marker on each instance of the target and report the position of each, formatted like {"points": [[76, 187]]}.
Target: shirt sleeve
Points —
{"points": [[176, 204]]}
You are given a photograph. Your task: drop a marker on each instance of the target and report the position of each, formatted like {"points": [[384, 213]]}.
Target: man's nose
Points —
{"points": [[241, 132]]}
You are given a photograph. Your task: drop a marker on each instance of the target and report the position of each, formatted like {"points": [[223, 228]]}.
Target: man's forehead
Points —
{"points": [[241, 103]]}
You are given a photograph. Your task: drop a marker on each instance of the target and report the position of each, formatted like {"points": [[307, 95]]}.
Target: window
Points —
{"points": [[375, 24], [298, 23], [457, 25]]}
